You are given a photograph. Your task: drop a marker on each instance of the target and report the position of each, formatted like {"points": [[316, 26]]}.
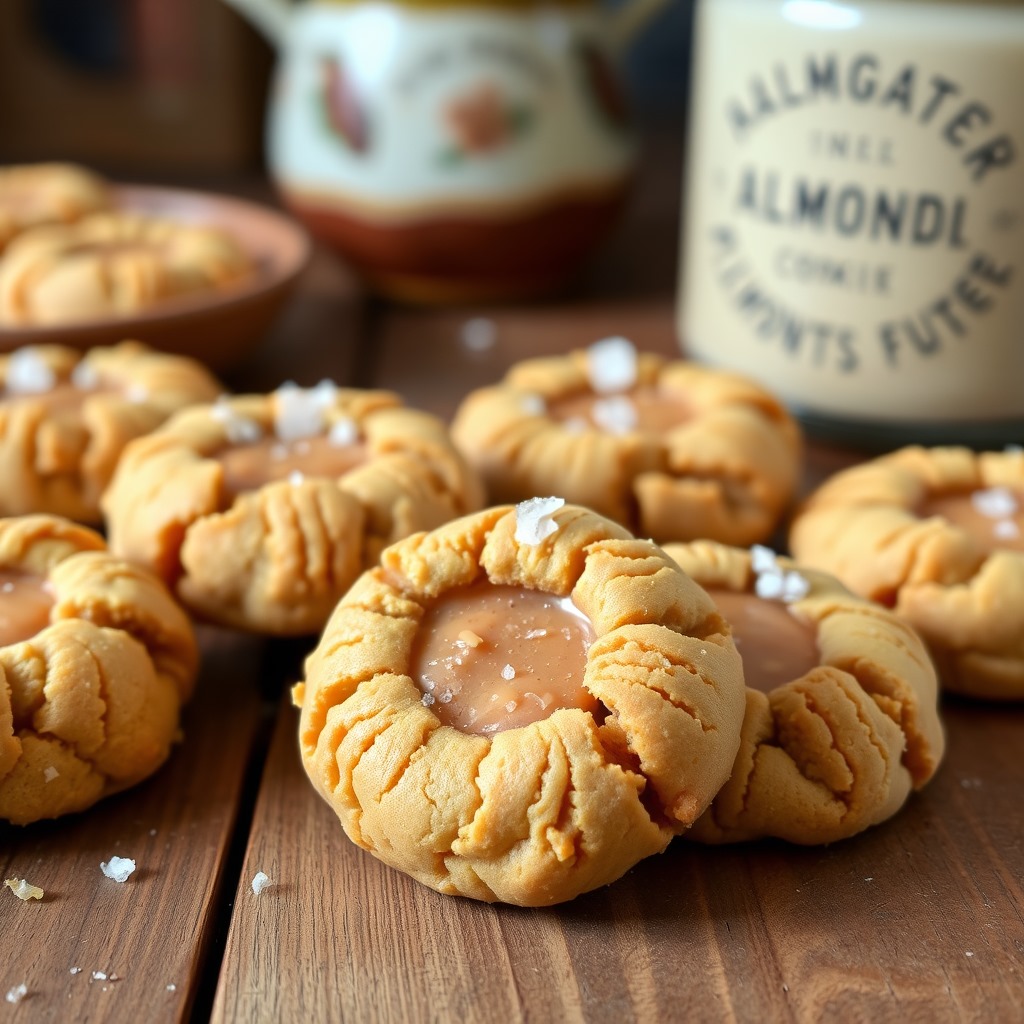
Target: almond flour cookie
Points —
{"points": [[65, 418], [936, 535], [841, 721], [259, 511], [111, 265], [95, 662], [521, 705], [32, 195], [673, 450]]}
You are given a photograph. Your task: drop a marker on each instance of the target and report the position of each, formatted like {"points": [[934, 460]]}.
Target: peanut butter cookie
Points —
{"points": [[95, 662], [841, 721], [936, 535], [113, 264], [65, 418], [521, 705], [32, 195], [672, 450], [260, 511]]}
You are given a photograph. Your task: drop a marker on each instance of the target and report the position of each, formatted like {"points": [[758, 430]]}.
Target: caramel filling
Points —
{"points": [[25, 604], [993, 517], [490, 658], [646, 409], [248, 467], [776, 645]]}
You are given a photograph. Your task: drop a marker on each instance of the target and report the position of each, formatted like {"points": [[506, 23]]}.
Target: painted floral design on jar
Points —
{"points": [[482, 120], [344, 113]]}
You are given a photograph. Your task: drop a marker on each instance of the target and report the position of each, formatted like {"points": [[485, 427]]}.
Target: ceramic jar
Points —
{"points": [[451, 150], [854, 225]]}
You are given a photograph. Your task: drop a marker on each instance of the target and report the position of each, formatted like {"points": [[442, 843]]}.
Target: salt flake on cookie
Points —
{"points": [[534, 519]]}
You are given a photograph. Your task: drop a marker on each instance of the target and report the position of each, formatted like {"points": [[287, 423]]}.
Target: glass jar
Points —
{"points": [[854, 214]]}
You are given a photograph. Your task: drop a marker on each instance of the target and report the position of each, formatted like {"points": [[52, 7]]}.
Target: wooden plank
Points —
{"points": [[920, 918], [153, 931]]}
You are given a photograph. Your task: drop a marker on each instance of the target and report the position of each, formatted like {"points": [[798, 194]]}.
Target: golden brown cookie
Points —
{"points": [[260, 511], [673, 450], [65, 417], [934, 534], [113, 264], [841, 721], [32, 195], [95, 662], [537, 813]]}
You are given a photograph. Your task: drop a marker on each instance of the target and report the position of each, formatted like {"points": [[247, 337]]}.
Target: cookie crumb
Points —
{"points": [[615, 415], [479, 334], [534, 521], [118, 868], [16, 994], [612, 365], [467, 638], [260, 881], [23, 889]]}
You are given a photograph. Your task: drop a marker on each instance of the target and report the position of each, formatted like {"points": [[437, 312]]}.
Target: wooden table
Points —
{"points": [[919, 919]]}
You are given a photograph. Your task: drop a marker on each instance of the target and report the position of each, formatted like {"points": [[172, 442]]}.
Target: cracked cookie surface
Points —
{"points": [[89, 702], [65, 418], [727, 469], [536, 814], [274, 556], [871, 526], [840, 748]]}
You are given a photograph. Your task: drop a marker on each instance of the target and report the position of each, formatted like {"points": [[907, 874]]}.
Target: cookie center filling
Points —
{"points": [[993, 516], [490, 657], [25, 604], [646, 409], [776, 645], [247, 467]]}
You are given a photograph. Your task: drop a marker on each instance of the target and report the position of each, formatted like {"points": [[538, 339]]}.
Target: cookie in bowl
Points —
{"points": [[114, 264], [259, 511], [670, 449], [937, 534], [35, 195], [96, 659], [521, 705], [841, 722], [65, 417]]}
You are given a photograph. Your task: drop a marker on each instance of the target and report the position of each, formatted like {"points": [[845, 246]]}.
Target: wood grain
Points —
{"points": [[152, 931]]}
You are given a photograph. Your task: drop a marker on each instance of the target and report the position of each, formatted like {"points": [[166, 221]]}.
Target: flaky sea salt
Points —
{"points": [[427, 699], [23, 889], [302, 412], [172, 987], [260, 881], [343, 432], [612, 365], [137, 394], [479, 334], [995, 502], [615, 415], [1006, 529], [16, 994], [508, 672], [28, 374], [773, 583], [534, 521], [84, 376], [296, 477], [533, 405], [75, 970], [99, 975], [239, 429], [510, 706], [118, 868], [50, 773]]}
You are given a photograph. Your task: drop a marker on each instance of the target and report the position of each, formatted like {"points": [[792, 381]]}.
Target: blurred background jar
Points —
{"points": [[453, 150], [854, 212]]}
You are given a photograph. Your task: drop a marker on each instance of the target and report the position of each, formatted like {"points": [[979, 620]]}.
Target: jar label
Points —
{"points": [[855, 214]]}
